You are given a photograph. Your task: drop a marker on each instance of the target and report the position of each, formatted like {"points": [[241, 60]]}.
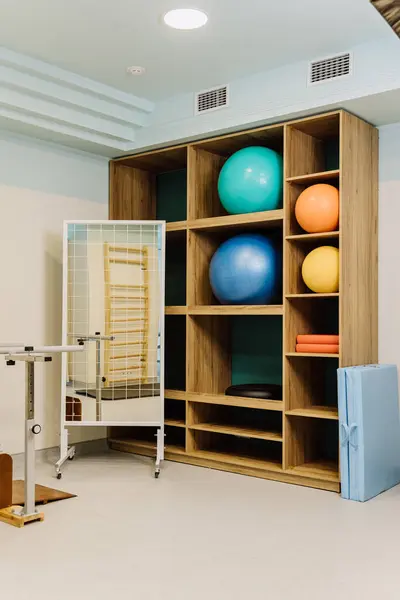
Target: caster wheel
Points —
{"points": [[157, 474], [59, 475], [71, 457]]}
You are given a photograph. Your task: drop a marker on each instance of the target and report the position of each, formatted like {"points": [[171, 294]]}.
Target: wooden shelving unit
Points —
{"points": [[209, 346]]}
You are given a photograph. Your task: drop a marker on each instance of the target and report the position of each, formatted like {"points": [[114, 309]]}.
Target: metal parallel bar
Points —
{"points": [[29, 506]]}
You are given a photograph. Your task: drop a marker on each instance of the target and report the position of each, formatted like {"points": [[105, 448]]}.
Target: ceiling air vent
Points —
{"points": [[330, 68], [211, 99]]}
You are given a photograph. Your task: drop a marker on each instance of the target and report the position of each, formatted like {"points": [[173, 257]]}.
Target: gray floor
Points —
{"points": [[199, 534]]}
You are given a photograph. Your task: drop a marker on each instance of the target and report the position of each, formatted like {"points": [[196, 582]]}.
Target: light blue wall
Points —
{"points": [[51, 168]]}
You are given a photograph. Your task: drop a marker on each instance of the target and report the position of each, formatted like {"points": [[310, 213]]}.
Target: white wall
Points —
{"points": [[40, 185], [389, 244]]}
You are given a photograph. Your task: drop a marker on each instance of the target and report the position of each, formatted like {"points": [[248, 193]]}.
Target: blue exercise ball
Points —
{"points": [[251, 180], [245, 270]]}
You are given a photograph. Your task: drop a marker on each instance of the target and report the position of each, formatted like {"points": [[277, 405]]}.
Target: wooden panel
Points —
{"points": [[200, 249], [225, 145], [324, 482], [175, 394], [245, 432], [307, 237], [303, 153], [315, 177], [324, 126], [236, 309], [239, 401], [264, 220], [176, 226], [132, 193], [203, 172], [209, 361], [6, 480], [157, 161], [175, 310], [315, 412], [358, 242]]}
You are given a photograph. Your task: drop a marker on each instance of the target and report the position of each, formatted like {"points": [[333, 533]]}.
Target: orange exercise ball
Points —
{"points": [[317, 208]]}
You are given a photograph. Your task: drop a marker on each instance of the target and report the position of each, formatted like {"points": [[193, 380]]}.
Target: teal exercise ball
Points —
{"points": [[251, 180]]}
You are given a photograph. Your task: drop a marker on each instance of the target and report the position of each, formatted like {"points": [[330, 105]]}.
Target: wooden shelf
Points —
{"points": [[132, 445], [311, 355], [175, 422], [176, 310], [316, 412], [237, 309], [309, 237], [239, 401], [313, 295], [234, 459], [317, 470], [314, 177], [239, 431], [176, 226], [265, 219], [174, 394]]}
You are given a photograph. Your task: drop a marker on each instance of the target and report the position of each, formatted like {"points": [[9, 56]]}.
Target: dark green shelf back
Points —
{"points": [[175, 272], [171, 192], [256, 349], [175, 352]]}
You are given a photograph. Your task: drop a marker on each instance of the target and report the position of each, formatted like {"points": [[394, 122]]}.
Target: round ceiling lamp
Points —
{"points": [[185, 18]]}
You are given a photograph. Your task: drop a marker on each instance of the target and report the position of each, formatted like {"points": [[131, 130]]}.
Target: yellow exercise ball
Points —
{"points": [[320, 270]]}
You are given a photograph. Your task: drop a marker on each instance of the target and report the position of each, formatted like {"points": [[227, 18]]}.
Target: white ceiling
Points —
{"points": [[100, 38]]}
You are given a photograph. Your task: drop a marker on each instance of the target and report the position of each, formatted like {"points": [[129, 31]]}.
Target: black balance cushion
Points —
{"points": [[264, 391]]}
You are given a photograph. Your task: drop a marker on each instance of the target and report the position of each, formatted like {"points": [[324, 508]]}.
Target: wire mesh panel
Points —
{"points": [[114, 305]]}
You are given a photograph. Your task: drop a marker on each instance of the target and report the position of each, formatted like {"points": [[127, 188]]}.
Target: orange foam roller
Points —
{"points": [[312, 338], [318, 348], [317, 208]]}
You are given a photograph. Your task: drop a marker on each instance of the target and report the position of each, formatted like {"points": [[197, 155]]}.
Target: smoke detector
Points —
{"points": [[135, 70]]}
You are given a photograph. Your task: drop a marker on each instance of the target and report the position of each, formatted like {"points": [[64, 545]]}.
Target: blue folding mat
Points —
{"points": [[369, 430]]}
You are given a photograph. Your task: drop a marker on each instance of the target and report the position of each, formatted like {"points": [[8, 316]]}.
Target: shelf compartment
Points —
{"points": [[206, 159], [242, 401], [150, 185], [295, 253], [313, 178], [304, 317], [175, 352], [241, 422], [237, 309], [201, 247], [316, 412], [313, 445], [264, 220], [247, 452], [322, 469], [175, 412], [233, 350], [312, 384], [313, 146]]}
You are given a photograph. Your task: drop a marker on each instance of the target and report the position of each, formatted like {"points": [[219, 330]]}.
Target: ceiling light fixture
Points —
{"points": [[185, 18]]}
